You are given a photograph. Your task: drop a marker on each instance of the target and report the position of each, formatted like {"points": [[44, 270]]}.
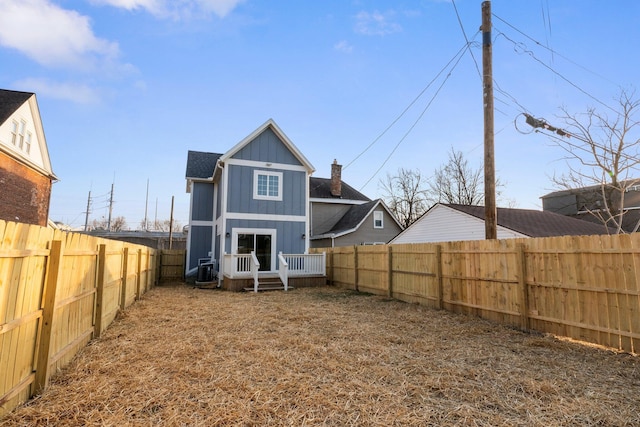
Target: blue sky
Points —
{"points": [[127, 87]]}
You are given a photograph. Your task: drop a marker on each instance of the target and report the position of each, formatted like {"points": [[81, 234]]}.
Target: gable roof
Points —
{"points": [[353, 219], [280, 134], [10, 101], [320, 188], [200, 164], [535, 223]]}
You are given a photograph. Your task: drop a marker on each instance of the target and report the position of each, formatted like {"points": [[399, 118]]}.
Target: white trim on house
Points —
{"points": [[338, 201], [266, 165], [263, 231], [265, 217], [256, 177]]}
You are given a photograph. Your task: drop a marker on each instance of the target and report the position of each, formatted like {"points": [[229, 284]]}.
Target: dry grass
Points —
{"points": [[326, 356]]}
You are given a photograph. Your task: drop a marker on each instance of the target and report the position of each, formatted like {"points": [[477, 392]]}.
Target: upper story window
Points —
{"points": [[378, 219], [20, 136], [267, 185]]}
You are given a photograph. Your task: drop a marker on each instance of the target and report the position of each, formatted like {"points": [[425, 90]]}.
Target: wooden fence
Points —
{"points": [[586, 288], [58, 291]]}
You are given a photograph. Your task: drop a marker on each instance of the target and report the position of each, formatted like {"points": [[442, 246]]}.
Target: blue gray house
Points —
{"points": [[256, 210]]}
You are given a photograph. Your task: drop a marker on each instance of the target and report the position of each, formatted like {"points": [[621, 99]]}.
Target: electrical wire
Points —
{"points": [[553, 51], [532, 55], [466, 46], [453, 2], [460, 54]]}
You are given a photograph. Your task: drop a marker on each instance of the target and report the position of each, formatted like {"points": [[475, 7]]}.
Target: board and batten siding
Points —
{"points": [[202, 208], [289, 238], [443, 224], [240, 195], [267, 147]]}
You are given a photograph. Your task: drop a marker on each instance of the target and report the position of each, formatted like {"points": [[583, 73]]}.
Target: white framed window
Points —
{"points": [[14, 132], [267, 185], [27, 143], [378, 219], [20, 136]]}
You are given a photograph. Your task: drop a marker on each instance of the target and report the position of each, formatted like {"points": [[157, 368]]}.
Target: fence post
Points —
{"points": [[439, 291], [390, 271], [333, 260], [125, 273], [355, 267], [139, 274], [54, 263], [102, 259], [524, 289]]}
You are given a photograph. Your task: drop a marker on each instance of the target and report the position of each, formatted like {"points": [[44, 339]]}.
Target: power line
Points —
{"points": [[532, 55], [553, 52], [460, 54], [466, 46], [466, 39]]}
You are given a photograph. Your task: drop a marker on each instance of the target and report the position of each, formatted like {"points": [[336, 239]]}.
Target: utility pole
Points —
{"points": [[86, 217], [171, 225], [110, 209], [490, 214], [146, 208]]}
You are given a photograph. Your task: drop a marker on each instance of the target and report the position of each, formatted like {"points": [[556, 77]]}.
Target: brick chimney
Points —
{"points": [[336, 179]]}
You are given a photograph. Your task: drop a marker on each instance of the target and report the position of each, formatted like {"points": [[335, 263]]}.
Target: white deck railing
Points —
{"points": [[290, 265], [283, 271], [306, 264]]}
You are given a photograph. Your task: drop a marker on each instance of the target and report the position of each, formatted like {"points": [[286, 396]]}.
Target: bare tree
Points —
{"points": [[405, 195], [457, 182], [602, 158], [160, 225], [118, 223]]}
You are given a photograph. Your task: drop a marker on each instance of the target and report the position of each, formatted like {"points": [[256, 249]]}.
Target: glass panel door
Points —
{"points": [[263, 251], [260, 243]]}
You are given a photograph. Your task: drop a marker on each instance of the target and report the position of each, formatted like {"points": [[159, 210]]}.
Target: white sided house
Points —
{"points": [[451, 222]]}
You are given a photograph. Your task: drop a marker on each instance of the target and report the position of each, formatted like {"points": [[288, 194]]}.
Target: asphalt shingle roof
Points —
{"points": [[201, 164], [352, 217], [320, 188], [10, 101], [536, 223]]}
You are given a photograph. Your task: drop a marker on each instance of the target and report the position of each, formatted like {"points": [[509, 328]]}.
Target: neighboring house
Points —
{"points": [[342, 216], [259, 197], [450, 222], [584, 203], [26, 175]]}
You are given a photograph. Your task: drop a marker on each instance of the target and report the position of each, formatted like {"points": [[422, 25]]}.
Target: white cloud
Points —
{"points": [[176, 8], [78, 93], [343, 46], [376, 23], [52, 36]]}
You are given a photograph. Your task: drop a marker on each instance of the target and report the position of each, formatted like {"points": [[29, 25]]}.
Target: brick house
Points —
{"points": [[26, 175]]}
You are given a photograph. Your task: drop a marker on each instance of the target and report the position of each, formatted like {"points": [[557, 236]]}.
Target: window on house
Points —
{"points": [[14, 132], [20, 137], [377, 219], [23, 126], [27, 143], [267, 185]]}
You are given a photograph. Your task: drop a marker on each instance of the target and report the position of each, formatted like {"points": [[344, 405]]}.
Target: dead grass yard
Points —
{"points": [[326, 356]]}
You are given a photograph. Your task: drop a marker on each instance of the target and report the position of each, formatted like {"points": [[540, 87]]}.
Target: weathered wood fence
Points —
{"points": [[586, 288], [58, 291]]}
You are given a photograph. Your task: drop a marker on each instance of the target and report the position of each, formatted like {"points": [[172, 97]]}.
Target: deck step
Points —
{"points": [[268, 285]]}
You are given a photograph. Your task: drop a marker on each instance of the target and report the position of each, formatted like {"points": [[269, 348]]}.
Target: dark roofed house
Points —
{"points": [[259, 197], [26, 175], [586, 203], [451, 222], [342, 216]]}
